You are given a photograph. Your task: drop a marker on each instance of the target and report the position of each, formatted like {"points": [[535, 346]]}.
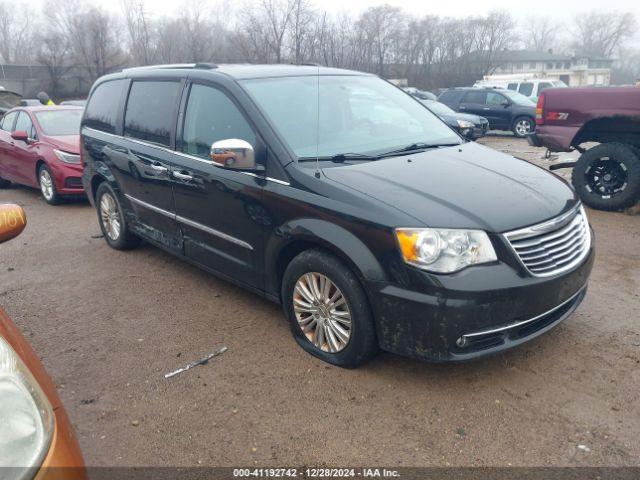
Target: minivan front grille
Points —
{"points": [[554, 246]]}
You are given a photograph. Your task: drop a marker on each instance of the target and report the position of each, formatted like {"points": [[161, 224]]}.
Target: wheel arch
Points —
{"points": [[609, 129], [306, 234]]}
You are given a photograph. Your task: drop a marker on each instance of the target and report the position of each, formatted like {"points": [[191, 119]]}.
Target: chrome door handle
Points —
{"points": [[158, 168], [182, 176], [487, 108]]}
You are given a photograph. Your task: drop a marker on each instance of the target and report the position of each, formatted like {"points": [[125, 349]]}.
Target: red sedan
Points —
{"points": [[40, 147]]}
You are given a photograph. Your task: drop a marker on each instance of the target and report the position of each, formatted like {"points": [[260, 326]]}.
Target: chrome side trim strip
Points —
{"points": [[153, 208], [191, 223], [215, 233], [182, 154], [524, 322]]}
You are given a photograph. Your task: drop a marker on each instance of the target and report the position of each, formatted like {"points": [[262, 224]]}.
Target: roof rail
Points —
{"points": [[205, 65], [168, 65]]}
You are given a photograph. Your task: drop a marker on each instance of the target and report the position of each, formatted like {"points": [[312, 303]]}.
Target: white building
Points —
{"points": [[575, 71]]}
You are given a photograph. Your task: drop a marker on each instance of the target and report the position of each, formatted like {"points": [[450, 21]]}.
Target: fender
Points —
{"points": [[340, 241]]}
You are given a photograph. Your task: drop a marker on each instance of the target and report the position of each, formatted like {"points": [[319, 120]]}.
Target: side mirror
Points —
{"points": [[12, 221], [233, 153], [20, 135]]}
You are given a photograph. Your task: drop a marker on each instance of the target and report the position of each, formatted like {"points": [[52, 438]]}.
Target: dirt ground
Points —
{"points": [[108, 326]]}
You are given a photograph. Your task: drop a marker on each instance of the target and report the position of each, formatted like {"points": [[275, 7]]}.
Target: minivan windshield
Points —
{"points": [[60, 122], [358, 115]]}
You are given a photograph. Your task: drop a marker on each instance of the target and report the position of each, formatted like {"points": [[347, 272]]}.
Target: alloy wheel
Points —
{"points": [[523, 127], [322, 312], [606, 177], [110, 216], [46, 184]]}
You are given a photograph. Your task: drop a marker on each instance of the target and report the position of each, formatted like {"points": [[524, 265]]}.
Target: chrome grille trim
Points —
{"points": [[554, 246]]}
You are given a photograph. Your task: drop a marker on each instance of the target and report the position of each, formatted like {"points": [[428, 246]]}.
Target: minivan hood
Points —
{"points": [[67, 143], [468, 186]]}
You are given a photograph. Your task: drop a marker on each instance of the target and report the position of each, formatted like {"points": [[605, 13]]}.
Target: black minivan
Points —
{"points": [[341, 197]]}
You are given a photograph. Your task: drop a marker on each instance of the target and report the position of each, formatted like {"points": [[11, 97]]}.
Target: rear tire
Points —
{"points": [[48, 186], [336, 315], [523, 126], [607, 177], [112, 221]]}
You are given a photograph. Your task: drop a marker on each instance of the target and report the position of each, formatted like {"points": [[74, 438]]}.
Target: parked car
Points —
{"points": [[607, 175], [39, 147], [8, 100], [373, 228], [528, 86], [75, 103], [35, 433], [420, 94], [505, 110], [469, 126]]}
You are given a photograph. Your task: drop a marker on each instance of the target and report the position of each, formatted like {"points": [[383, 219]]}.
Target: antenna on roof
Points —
{"points": [[318, 130]]}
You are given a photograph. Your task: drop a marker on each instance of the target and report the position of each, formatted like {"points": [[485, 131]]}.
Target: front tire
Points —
{"points": [[112, 222], [48, 186], [328, 310], [607, 177], [523, 126]]}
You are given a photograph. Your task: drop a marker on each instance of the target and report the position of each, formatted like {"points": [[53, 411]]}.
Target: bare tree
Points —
{"points": [[602, 33], [268, 21], [54, 54], [16, 35], [142, 45], [379, 27], [540, 33]]}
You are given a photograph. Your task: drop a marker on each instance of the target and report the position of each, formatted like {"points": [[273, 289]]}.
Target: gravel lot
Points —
{"points": [[110, 324]]}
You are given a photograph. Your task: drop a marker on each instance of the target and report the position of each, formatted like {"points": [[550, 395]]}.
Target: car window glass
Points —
{"points": [[212, 116], [151, 110], [495, 99], [24, 123], [7, 121], [512, 86], [102, 109], [526, 89], [542, 86], [475, 97]]}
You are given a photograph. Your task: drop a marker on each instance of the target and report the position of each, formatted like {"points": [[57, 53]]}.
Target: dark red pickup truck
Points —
{"points": [[607, 175]]}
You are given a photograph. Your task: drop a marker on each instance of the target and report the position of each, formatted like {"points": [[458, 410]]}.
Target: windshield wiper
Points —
{"points": [[416, 147], [339, 157]]}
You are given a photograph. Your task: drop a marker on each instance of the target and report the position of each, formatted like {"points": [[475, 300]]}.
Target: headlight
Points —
{"points": [[465, 124], [443, 250], [67, 157], [26, 417]]}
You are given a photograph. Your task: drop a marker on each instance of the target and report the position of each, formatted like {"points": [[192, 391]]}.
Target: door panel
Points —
{"points": [[23, 156], [474, 102], [6, 145], [218, 209], [496, 112]]}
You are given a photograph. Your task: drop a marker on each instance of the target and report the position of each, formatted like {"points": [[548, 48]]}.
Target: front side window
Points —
{"points": [[543, 85], [211, 116], [512, 86], [59, 122], [526, 89], [7, 121], [24, 123], [338, 114], [102, 109], [496, 99], [151, 111]]}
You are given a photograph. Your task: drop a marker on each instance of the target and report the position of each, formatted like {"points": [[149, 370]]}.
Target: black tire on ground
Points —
{"points": [[523, 132], [124, 239], [4, 183], [362, 344], [607, 176], [48, 186]]}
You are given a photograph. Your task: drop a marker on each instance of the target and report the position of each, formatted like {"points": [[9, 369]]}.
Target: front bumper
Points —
{"points": [[475, 312], [68, 178]]}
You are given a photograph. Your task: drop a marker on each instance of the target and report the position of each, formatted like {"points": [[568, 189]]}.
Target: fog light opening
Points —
{"points": [[462, 342]]}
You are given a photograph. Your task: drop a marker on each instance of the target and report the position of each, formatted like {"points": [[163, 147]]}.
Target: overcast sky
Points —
{"points": [[564, 9]]}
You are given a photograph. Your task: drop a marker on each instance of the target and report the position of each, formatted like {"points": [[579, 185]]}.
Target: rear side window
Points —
{"points": [[475, 97], [449, 97], [102, 110], [7, 121], [526, 89], [212, 116], [513, 86], [151, 111]]}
